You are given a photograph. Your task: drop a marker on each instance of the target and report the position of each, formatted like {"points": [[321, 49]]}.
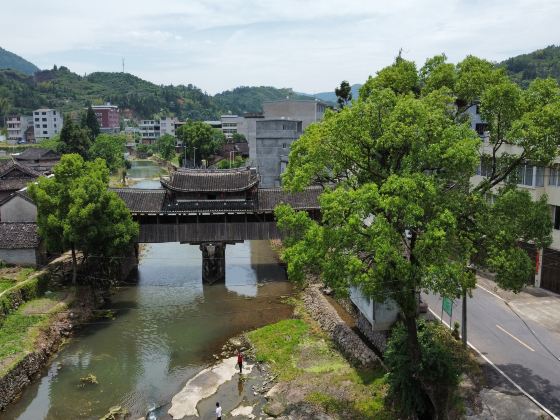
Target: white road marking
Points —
{"points": [[515, 338], [501, 372], [492, 293]]}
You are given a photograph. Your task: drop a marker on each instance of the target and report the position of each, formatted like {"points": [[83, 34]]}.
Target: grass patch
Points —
{"points": [[276, 344], [6, 284], [301, 354], [20, 329]]}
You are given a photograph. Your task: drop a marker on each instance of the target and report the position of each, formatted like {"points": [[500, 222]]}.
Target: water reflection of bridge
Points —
{"points": [[212, 208]]}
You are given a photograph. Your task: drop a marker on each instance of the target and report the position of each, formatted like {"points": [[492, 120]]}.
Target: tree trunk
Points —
{"points": [[74, 265]]}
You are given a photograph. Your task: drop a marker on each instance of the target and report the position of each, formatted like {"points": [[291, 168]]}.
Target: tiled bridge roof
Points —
{"points": [[160, 201], [211, 180]]}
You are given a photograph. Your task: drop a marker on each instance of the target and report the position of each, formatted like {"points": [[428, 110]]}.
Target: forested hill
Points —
{"points": [[250, 98], [9, 60], [60, 88], [540, 63]]}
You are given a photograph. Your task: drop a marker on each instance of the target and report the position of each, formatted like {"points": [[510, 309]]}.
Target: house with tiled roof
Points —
{"points": [[14, 176], [39, 159], [20, 244]]}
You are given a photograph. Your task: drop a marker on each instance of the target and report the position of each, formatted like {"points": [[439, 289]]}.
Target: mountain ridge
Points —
{"points": [[10, 60]]}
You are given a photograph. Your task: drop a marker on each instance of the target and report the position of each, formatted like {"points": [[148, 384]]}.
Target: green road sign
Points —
{"points": [[447, 306]]}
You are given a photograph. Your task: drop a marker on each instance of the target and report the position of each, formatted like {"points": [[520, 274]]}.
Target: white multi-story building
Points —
{"points": [[537, 180], [17, 126], [149, 131], [230, 124], [167, 126], [46, 123]]}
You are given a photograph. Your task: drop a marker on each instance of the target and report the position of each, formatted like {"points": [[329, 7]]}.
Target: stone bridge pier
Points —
{"points": [[213, 262]]}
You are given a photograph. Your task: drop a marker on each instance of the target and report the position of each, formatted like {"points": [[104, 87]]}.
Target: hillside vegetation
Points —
{"points": [[62, 89], [9, 60], [540, 63], [26, 88]]}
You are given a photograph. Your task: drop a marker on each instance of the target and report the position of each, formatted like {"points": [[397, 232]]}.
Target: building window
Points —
{"points": [[43, 113], [539, 176], [44, 125], [45, 132], [477, 110], [554, 178], [44, 119], [38, 126], [480, 128], [37, 119], [284, 145], [556, 215]]}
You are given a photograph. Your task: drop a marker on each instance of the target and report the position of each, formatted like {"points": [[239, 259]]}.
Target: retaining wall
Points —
{"points": [[349, 343]]}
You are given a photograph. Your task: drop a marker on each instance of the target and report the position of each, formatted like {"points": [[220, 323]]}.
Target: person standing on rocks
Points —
{"points": [[240, 362], [218, 411]]}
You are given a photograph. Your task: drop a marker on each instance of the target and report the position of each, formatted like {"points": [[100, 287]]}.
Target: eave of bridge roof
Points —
{"points": [[211, 180]]}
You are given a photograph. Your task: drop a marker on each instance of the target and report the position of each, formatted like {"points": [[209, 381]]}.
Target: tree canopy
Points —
{"points": [[343, 94], [200, 136], [165, 146], [89, 121], [77, 211], [109, 147], [399, 211], [74, 139]]}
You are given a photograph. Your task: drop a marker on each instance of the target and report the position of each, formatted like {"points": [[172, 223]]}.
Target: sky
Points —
{"points": [[308, 45]]}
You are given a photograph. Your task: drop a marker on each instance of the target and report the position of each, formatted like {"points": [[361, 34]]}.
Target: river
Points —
{"points": [[167, 327]]}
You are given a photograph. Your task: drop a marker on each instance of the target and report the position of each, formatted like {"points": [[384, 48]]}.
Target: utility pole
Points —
{"points": [[194, 157], [123, 64]]}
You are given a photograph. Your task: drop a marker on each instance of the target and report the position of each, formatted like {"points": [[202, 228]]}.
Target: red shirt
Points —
{"points": [[239, 359]]}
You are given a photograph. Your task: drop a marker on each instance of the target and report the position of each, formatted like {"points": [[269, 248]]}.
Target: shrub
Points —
{"points": [[443, 359]]}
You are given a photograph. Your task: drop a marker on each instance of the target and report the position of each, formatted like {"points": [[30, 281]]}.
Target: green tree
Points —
{"points": [[76, 210], [237, 162], [343, 94], [4, 109], [238, 138], [199, 139], [399, 213], [89, 121], [166, 146], [109, 147], [74, 139]]}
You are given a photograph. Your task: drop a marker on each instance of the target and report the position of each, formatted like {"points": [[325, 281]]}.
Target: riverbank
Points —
{"points": [[39, 311], [314, 378], [36, 317]]}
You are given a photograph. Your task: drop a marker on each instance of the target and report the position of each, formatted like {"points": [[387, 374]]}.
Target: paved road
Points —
{"points": [[498, 333]]}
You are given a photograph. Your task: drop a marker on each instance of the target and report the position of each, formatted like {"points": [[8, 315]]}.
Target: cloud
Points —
{"points": [[309, 45]]}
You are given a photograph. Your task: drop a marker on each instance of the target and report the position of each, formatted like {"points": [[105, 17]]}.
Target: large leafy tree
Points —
{"points": [[76, 210], [109, 147], [200, 139], [89, 121], [74, 139], [399, 211]]}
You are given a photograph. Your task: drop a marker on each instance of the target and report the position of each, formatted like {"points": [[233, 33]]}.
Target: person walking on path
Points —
{"points": [[218, 411], [240, 362]]}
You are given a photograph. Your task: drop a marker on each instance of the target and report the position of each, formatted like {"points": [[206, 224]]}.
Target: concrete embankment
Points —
{"points": [[349, 343]]}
